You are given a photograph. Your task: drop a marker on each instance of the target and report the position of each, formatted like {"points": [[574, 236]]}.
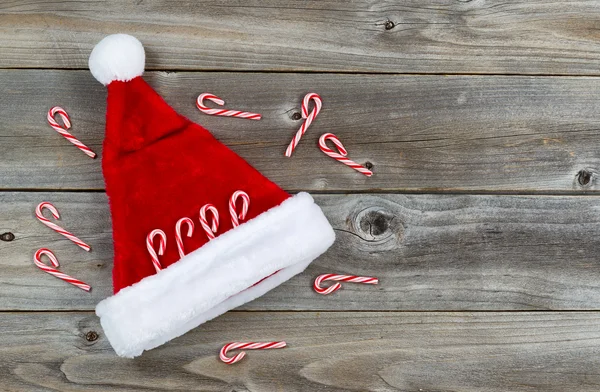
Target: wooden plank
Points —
{"points": [[340, 351], [432, 133], [431, 252], [424, 36]]}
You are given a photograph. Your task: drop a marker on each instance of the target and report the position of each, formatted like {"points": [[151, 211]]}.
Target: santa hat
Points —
{"points": [[159, 167]]}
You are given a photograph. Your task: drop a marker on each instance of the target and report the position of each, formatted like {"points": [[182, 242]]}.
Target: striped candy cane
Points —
{"points": [[63, 129], [178, 237], [309, 118], [39, 214], [162, 245], [235, 217], [222, 112], [340, 278], [245, 346], [37, 259], [210, 230], [341, 156]]}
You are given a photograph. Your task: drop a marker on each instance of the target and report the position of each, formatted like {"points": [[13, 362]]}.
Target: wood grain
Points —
{"points": [[421, 133], [424, 36], [431, 252], [367, 351]]}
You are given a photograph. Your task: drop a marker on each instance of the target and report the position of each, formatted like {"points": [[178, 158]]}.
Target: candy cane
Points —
{"points": [[235, 217], [210, 230], [37, 259], [340, 278], [162, 244], [341, 156], [63, 129], [309, 118], [55, 227], [222, 112], [178, 237], [245, 346]]}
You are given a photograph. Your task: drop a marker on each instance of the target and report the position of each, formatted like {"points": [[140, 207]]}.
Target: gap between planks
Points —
{"points": [[326, 72]]}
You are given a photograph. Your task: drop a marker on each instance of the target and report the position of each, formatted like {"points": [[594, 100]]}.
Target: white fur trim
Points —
{"points": [[217, 277], [117, 57]]}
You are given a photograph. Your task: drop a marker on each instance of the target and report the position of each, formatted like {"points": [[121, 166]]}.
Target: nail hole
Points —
{"points": [[7, 237], [296, 116], [91, 336], [584, 177], [389, 25], [368, 165]]}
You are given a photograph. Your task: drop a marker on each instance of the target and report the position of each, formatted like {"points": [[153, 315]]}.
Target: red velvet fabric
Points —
{"points": [[159, 167]]}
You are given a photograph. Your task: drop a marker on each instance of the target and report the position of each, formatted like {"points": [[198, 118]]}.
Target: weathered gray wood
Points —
{"points": [[431, 252], [432, 133], [367, 351], [84, 214], [536, 36]]}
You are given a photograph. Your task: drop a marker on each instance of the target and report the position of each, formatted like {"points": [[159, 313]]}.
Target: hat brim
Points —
{"points": [[234, 268]]}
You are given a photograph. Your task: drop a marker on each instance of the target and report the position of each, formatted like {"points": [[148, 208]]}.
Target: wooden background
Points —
{"points": [[481, 120]]}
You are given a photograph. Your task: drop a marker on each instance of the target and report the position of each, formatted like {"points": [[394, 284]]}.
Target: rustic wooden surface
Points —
{"points": [[420, 133], [331, 351], [480, 118], [424, 36], [431, 252]]}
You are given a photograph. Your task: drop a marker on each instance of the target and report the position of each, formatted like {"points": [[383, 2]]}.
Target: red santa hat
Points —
{"points": [[159, 167]]}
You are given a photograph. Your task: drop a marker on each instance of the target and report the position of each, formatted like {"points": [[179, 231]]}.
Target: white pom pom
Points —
{"points": [[117, 57]]}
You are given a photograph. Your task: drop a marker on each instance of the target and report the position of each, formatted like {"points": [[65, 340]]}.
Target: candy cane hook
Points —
{"points": [[210, 230], [178, 237], [245, 346], [162, 245], [63, 129], [235, 217], [39, 214], [37, 259], [341, 278], [309, 118], [341, 156], [222, 112]]}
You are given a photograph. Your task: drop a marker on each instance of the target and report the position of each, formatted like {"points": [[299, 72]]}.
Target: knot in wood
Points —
{"points": [[375, 223], [91, 336], [296, 116], [584, 177], [378, 225], [389, 25], [7, 237]]}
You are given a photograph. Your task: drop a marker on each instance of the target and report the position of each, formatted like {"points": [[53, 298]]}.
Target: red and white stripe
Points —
{"points": [[178, 236], [309, 118], [341, 155], [222, 112], [340, 278], [235, 217], [245, 346], [162, 245], [37, 259], [38, 213], [63, 129], [209, 229]]}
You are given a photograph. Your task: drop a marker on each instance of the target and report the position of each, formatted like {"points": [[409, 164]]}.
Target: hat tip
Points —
{"points": [[117, 57]]}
